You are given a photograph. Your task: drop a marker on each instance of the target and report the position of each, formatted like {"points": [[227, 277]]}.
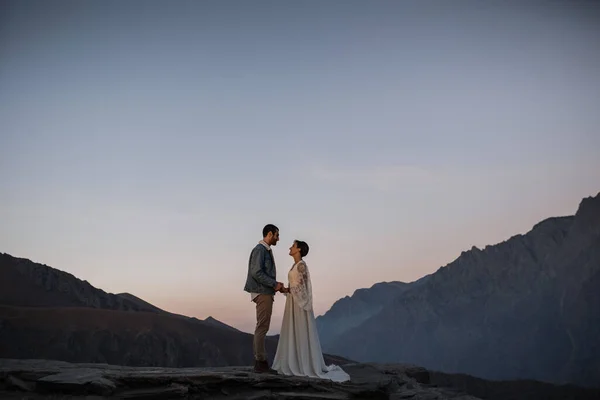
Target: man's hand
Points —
{"points": [[278, 286]]}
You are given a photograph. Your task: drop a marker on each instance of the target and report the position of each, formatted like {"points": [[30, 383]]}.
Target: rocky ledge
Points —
{"points": [[44, 379]]}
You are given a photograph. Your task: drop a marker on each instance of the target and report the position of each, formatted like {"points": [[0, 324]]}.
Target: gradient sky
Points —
{"points": [[144, 144]]}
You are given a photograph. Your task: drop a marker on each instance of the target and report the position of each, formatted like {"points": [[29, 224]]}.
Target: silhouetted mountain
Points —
{"points": [[527, 308], [29, 284], [351, 311], [141, 303], [217, 323], [46, 313]]}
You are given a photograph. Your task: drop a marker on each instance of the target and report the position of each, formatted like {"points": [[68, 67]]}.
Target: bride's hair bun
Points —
{"points": [[303, 246]]}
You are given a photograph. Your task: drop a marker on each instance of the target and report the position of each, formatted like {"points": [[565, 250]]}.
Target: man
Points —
{"points": [[262, 285]]}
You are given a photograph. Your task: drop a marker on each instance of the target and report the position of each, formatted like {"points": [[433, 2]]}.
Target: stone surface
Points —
{"points": [[61, 380], [80, 381], [18, 384], [174, 390]]}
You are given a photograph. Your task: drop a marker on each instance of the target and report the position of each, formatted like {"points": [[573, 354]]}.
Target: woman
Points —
{"points": [[299, 349]]}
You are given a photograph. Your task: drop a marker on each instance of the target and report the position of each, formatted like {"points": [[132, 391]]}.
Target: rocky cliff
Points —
{"points": [[43, 379], [528, 307]]}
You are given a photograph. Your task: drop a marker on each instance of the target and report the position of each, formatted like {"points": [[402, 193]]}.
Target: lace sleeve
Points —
{"points": [[301, 287]]}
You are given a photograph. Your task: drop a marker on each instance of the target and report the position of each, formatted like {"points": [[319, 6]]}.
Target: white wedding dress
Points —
{"points": [[299, 349]]}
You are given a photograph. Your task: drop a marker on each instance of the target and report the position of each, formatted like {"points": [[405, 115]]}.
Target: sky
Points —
{"points": [[145, 144]]}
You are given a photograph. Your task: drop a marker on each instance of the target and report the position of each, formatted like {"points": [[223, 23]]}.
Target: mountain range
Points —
{"points": [[526, 308], [46, 313]]}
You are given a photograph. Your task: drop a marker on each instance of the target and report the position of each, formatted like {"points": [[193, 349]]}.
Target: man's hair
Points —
{"points": [[303, 246], [270, 228]]}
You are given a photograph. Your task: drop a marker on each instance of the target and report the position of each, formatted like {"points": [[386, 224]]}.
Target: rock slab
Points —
{"points": [[39, 379]]}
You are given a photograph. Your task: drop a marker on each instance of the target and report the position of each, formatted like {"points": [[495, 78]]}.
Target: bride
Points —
{"points": [[299, 349]]}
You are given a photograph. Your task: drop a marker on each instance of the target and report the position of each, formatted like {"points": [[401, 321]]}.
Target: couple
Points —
{"points": [[299, 349]]}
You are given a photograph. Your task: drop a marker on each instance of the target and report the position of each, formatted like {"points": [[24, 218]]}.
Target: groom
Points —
{"points": [[262, 285]]}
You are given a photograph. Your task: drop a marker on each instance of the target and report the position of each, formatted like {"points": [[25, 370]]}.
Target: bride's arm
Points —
{"points": [[300, 287]]}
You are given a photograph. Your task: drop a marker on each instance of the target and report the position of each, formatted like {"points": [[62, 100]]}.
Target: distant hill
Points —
{"points": [[217, 323], [351, 311], [29, 284], [526, 308], [46, 313], [79, 334], [141, 303]]}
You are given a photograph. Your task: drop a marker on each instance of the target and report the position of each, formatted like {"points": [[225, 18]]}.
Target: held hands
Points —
{"points": [[280, 288]]}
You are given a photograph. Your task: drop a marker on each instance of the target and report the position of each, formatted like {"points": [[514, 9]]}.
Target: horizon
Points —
{"points": [[250, 329], [144, 145]]}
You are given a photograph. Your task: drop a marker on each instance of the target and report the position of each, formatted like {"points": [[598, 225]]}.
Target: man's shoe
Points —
{"points": [[268, 369], [262, 367], [258, 367]]}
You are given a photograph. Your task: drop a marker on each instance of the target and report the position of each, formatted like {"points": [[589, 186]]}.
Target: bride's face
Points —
{"points": [[294, 249]]}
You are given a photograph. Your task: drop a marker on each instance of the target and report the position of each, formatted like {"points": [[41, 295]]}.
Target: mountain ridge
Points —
{"points": [[24, 282], [522, 296], [46, 313]]}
